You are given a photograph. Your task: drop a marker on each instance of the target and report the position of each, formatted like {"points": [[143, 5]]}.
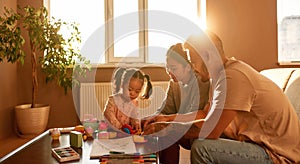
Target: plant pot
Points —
{"points": [[31, 121]]}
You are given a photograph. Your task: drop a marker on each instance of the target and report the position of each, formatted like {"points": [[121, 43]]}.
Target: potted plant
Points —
{"points": [[51, 51]]}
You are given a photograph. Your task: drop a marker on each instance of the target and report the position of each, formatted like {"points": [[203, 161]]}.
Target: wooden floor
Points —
{"points": [[10, 144]]}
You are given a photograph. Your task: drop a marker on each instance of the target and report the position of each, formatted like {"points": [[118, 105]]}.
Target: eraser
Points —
{"points": [[103, 135], [76, 139]]}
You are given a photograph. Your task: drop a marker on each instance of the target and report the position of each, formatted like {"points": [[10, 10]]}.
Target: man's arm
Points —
{"points": [[156, 123], [212, 127], [201, 127]]}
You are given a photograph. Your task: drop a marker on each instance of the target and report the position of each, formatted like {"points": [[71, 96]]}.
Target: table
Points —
{"points": [[38, 150]]}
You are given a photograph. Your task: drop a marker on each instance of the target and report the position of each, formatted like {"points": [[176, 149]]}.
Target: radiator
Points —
{"points": [[93, 97]]}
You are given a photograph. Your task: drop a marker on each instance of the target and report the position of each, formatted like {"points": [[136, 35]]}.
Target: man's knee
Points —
{"points": [[199, 151], [199, 145]]}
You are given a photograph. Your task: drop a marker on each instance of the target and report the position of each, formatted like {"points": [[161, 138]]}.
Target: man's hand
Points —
{"points": [[159, 118]]}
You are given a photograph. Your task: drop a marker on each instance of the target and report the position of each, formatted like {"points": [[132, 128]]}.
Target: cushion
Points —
{"points": [[292, 90], [278, 75]]}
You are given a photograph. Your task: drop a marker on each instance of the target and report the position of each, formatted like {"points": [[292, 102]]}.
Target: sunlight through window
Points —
{"points": [[140, 45], [288, 21]]}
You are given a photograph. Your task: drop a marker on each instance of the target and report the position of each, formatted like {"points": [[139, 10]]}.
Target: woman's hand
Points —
{"points": [[156, 127]]}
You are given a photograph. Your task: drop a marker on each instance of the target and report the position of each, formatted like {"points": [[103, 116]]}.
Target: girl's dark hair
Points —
{"points": [[123, 76], [117, 76], [178, 53]]}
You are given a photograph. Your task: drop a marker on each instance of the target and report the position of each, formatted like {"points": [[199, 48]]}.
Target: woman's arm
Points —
{"points": [[170, 105]]}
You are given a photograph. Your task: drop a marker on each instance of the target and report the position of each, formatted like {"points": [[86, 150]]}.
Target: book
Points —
{"points": [[64, 154]]}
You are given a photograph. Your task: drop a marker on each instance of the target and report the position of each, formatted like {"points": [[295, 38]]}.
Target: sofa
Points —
{"points": [[288, 79]]}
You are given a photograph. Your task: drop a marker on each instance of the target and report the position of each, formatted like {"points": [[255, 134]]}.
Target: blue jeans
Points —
{"points": [[225, 151]]}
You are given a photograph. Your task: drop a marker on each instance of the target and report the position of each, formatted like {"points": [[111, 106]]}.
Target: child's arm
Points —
{"points": [[110, 113], [134, 121]]}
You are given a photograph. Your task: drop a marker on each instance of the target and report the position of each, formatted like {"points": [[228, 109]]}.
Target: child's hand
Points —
{"points": [[138, 132], [137, 126], [128, 129]]}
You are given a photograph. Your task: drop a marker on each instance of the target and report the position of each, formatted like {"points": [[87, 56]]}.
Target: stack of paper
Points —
{"points": [[102, 147]]}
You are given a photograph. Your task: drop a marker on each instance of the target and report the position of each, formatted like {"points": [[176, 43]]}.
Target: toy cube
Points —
{"points": [[76, 139]]}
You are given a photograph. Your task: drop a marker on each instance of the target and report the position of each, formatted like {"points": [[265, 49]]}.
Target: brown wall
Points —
{"points": [[247, 28], [8, 89]]}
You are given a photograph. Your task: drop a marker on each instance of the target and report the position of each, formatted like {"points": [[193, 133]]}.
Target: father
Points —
{"points": [[257, 119]]}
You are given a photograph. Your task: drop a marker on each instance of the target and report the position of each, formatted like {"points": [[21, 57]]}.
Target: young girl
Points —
{"points": [[121, 107]]}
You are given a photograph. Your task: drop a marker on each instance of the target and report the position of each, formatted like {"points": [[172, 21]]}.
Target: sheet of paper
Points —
{"points": [[103, 146]]}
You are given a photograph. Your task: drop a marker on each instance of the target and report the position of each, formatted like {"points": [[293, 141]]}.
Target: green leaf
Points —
{"points": [[56, 53]]}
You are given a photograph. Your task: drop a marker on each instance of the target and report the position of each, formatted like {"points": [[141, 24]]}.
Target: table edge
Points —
{"points": [[24, 146]]}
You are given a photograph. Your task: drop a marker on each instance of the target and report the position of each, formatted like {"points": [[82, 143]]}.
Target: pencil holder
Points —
{"points": [[55, 133]]}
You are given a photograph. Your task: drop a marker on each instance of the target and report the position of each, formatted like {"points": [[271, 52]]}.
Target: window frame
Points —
{"points": [[110, 58], [109, 35], [282, 34]]}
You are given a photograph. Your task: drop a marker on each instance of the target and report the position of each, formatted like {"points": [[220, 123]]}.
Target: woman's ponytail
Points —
{"points": [[148, 90]]}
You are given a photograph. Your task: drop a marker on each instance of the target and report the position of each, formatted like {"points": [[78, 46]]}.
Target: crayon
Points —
{"points": [[116, 152]]}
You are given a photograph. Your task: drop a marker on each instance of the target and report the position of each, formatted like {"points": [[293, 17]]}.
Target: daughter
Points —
{"points": [[121, 107]]}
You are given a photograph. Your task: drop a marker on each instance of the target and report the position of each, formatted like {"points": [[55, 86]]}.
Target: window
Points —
{"points": [[130, 31], [288, 18]]}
